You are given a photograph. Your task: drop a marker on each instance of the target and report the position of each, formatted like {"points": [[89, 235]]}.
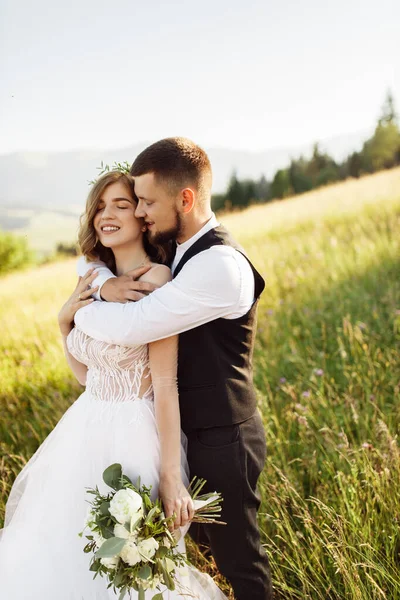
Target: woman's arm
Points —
{"points": [[78, 368], [163, 367], [79, 298]]}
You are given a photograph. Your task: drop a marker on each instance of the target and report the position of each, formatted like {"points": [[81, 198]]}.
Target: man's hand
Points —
{"points": [[126, 287], [176, 499]]}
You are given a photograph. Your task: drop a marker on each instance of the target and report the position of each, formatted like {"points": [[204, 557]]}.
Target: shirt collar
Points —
{"points": [[211, 224]]}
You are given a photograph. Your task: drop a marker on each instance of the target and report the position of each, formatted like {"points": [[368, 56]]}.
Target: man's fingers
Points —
{"points": [[135, 273], [134, 296], [141, 286]]}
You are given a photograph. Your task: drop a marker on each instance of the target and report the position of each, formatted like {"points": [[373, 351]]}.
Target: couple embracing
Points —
{"points": [[165, 354]]}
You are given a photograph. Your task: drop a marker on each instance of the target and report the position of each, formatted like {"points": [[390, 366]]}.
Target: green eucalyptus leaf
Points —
{"points": [[145, 572], [95, 565], [112, 476], [158, 597], [162, 551], [110, 548], [122, 594], [105, 509], [118, 579]]}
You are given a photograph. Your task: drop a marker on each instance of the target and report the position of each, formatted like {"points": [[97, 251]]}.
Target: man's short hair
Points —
{"points": [[177, 163]]}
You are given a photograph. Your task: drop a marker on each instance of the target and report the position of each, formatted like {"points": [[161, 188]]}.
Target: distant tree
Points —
{"points": [[67, 249], [321, 168], [236, 192], [263, 189], [300, 181], [280, 186], [381, 151], [388, 114], [249, 191], [219, 202], [328, 174], [14, 252], [354, 164]]}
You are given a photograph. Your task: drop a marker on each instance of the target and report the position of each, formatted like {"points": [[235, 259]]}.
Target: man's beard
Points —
{"points": [[174, 232]]}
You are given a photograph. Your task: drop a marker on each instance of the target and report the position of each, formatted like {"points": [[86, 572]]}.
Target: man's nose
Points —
{"points": [[139, 212]]}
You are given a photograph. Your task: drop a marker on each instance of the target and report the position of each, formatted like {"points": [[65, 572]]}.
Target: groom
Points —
{"points": [[211, 302]]}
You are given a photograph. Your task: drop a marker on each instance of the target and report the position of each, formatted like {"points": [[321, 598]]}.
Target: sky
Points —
{"points": [[248, 75]]}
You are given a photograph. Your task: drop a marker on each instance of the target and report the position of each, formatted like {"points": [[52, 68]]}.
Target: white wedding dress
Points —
{"points": [[113, 421]]}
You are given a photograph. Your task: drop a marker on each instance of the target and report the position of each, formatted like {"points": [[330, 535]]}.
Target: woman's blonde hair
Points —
{"points": [[88, 241]]}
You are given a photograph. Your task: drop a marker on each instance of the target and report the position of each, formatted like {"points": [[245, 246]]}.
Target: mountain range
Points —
{"points": [[58, 181]]}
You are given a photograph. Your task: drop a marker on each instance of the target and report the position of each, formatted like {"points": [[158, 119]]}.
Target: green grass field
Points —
{"points": [[327, 371]]}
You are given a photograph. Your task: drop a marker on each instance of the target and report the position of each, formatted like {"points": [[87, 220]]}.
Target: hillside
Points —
{"points": [[326, 367]]}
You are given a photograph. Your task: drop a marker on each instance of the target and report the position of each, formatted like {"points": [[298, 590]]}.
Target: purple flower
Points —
{"points": [[270, 311], [306, 394], [319, 372], [282, 380]]}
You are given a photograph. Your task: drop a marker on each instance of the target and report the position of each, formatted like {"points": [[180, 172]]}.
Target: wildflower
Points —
{"points": [[367, 446], [283, 380], [270, 311], [306, 394], [319, 372]]}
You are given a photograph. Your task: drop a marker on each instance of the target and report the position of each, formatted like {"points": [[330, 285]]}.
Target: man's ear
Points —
{"points": [[188, 198]]}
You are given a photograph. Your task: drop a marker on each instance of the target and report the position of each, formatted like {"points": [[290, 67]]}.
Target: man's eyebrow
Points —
{"points": [[143, 197]]}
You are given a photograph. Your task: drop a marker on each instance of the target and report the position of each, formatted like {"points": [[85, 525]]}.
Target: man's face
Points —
{"points": [[158, 208]]}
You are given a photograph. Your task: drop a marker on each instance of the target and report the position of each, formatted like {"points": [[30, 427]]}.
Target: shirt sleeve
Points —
{"points": [[104, 273], [207, 288]]}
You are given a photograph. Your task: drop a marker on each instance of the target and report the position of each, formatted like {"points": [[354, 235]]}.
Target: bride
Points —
{"points": [[128, 413]]}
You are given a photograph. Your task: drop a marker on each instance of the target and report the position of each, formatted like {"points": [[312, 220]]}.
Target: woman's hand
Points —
{"points": [[176, 499], [79, 298]]}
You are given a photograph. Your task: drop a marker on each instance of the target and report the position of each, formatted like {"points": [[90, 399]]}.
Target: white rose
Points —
{"points": [[125, 505], [130, 553], [121, 531], [147, 548], [110, 563]]}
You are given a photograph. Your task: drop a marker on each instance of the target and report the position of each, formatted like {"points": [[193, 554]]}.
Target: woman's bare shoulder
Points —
{"points": [[158, 274]]}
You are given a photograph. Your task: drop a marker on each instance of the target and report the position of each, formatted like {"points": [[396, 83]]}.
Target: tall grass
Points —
{"points": [[327, 371]]}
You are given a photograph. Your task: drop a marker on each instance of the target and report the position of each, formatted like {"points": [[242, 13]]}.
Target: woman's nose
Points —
{"points": [[107, 213]]}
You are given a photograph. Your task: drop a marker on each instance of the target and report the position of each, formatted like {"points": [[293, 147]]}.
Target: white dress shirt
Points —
{"points": [[216, 283]]}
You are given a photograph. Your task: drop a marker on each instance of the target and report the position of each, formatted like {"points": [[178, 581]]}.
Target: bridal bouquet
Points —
{"points": [[130, 537]]}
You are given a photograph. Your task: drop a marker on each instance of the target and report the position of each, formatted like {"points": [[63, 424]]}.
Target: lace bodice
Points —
{"points": [[115, 373]]}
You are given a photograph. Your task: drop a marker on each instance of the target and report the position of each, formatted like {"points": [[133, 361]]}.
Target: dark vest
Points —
{"points": [[215, 371]]}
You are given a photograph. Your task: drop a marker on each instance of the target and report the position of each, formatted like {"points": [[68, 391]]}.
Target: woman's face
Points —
{"points": [[115, 222]]}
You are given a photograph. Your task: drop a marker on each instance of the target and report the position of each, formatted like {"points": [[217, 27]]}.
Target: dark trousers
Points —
{"points": [[231, 459]]}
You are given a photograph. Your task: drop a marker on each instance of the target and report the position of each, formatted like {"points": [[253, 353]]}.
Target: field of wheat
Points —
{"points": [[326, 369]]}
